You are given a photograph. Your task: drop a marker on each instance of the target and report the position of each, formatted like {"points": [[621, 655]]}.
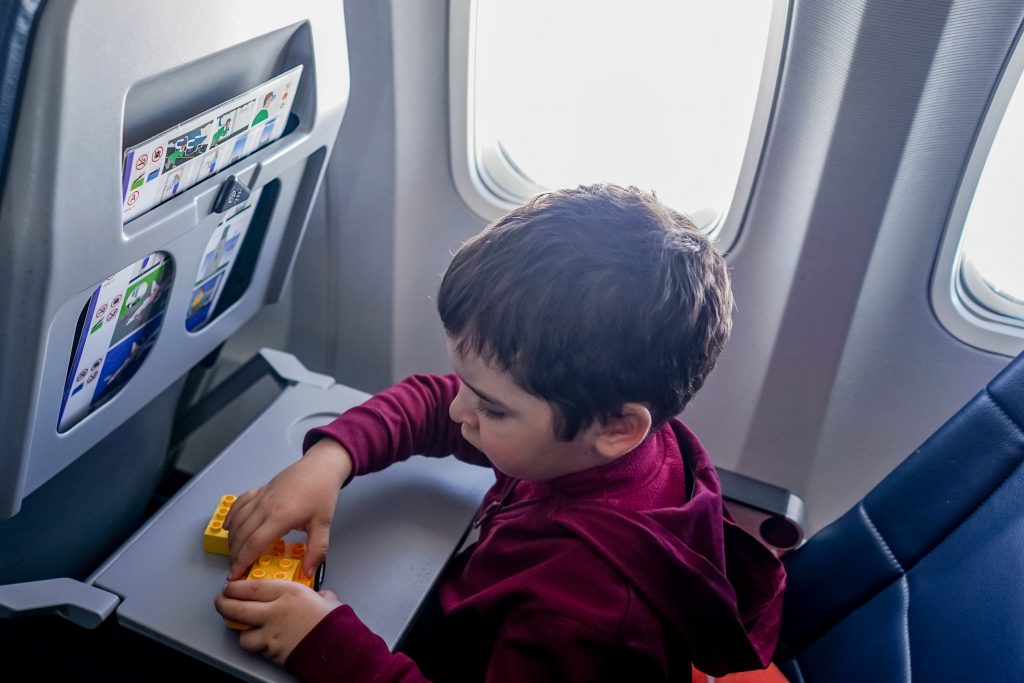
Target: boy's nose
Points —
{"points": [[459, 410]]}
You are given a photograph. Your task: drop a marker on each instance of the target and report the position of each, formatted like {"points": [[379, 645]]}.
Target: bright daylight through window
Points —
{"points": [[993, 250], [654, 93]]}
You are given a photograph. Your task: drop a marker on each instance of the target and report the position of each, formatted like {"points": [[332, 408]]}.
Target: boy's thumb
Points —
{"points": [[316, 547]]}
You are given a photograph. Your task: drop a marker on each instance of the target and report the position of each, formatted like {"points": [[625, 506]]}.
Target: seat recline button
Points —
{"points": [[233, 192]]}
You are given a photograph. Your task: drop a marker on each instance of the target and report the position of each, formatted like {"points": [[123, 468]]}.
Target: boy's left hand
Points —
{"points": [[281, 613]]}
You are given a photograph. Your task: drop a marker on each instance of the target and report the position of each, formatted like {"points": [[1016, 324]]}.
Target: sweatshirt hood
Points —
{"points": [[717, 586]]}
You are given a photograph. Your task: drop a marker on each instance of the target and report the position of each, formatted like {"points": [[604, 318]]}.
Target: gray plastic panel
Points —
{"points": [[392, 533], [60, 221], [78, 602]]}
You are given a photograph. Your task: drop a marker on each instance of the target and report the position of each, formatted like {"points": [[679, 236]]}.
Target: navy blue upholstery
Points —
{"points": [[17, 20], [924, 578]]}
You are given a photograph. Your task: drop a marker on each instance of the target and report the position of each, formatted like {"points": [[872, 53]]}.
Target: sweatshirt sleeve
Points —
{"points": [[342, 648], [532, 646], [408, 419]]}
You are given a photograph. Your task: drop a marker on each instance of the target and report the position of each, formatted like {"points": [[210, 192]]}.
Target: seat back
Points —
{"points": [[922, 579], [106, 307]]}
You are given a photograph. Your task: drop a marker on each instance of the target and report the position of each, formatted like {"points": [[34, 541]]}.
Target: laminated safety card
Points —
{"points": [[177, 159], [121, 324], [215, 266]]}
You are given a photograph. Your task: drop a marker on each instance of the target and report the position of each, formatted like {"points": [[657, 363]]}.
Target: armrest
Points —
{"points": [[79, 602], [771, 513]]}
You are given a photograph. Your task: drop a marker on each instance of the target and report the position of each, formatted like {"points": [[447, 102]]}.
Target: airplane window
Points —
{"points": [[654, 93], [991, 270]]}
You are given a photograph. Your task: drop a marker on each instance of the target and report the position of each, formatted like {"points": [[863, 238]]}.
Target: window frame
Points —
{"points": [[965, 305], [491, 185]]}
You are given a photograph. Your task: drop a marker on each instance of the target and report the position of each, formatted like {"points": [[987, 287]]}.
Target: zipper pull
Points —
{"points": [[492, 508], [487, 513]]}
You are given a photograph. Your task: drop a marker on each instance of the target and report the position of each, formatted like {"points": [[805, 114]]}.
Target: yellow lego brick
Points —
{"points": [[215, 537]]}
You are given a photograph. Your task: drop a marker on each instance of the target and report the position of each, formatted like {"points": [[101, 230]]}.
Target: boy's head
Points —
{"points": [[591, 299]]}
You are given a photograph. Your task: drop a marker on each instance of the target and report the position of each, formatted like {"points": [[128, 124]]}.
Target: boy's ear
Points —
{"points": [[624, 432]]}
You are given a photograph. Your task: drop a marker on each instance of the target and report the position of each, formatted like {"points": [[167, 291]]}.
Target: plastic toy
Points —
{"points": [[282, 561]]}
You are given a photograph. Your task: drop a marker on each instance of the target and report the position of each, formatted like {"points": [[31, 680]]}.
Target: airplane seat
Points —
{"points": [[921, 580], [72, 491], [97, 510]]}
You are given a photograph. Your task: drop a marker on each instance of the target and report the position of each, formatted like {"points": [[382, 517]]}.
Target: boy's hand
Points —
{"points": [[302, 496], [281, 613]]}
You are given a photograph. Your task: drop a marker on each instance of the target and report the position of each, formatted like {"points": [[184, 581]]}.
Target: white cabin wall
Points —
{"points": [[856, 371], [902, 374], [343, 288], [431, 220]]}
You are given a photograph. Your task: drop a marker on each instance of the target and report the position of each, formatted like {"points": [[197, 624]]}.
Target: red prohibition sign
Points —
{"points": [[157, 153], [141, 162], [100, 311]]}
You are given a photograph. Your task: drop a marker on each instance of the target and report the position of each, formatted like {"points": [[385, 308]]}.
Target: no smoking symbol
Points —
{"points": [[141, 162]]}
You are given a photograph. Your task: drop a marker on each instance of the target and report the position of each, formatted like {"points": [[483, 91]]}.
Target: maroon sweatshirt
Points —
{"points": [[628, 571]]}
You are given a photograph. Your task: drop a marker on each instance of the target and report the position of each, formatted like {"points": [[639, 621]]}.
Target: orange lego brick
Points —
{"points": [[270, 567], [274, 567]]}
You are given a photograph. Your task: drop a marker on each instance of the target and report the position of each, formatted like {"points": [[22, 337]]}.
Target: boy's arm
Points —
{"points": [[341, 648], [531, 646], [408, 419]]}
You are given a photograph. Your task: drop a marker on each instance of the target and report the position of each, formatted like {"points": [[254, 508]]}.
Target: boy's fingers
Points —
{"points": [[264, 590], [253, 640], [236, 511], [246, 519], [248, 612], [316, 546], [251, 538], [237, 507]]}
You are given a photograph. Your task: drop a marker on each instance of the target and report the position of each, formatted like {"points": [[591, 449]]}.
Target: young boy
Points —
{"points": [[578, 326]]}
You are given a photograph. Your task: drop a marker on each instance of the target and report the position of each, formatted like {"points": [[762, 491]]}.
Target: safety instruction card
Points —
{"points": [[121, 323], [194, 150], [215, 266]]}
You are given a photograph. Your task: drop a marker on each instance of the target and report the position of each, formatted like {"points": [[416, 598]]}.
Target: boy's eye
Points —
{"points": [[487, 412]]}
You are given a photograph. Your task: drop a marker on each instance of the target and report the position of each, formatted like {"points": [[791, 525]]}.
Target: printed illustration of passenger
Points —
{"points": [[209, 164], [263, 113], [176, 153], [188, 146], [172, 186], [224, 130]]}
